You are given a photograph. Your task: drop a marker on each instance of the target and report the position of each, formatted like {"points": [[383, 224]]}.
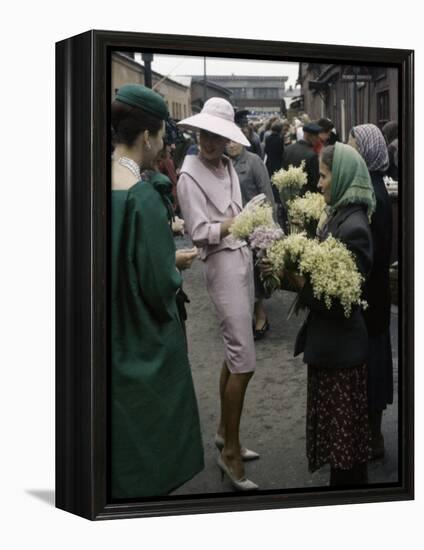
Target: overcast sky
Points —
{"points": [[170, 65]]}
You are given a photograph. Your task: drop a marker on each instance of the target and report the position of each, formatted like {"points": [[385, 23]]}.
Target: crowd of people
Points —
{"points": [[197, 178]]}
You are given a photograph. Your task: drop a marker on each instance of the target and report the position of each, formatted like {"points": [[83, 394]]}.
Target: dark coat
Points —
{"points": [[302, 150], [274, 149], [151, 381], [377, 288], [328, 338], [255, 145], [393, 170]]}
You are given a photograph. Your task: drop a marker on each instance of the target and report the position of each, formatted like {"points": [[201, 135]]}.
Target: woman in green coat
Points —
{"points": [[155, 433]]}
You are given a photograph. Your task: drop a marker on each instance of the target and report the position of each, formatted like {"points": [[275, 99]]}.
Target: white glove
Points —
{"points": [[256, 201]]}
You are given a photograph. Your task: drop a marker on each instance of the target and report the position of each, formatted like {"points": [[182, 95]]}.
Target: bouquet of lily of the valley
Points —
{"points": [[285, 254], [333, 274], [251, 218], [306, 211], [329, 266], [290, 182]]}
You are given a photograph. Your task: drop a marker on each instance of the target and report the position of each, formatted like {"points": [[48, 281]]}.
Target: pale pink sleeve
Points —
{"points": [[194, 209]]}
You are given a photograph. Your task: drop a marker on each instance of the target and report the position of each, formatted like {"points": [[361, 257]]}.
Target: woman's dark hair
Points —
{"points": [[325, 124], [327, 156], [128, 122]]}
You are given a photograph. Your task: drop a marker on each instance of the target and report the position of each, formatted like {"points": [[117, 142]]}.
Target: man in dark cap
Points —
{"points": [[304, 150], [240, 118]]}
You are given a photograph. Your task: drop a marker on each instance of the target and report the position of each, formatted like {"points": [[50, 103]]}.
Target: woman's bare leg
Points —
{"points": [[260, 315], [235, 390], [223, 379]]}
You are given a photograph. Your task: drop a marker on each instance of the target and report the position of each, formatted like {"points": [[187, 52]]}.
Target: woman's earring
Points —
{"points": [[148, 146]]}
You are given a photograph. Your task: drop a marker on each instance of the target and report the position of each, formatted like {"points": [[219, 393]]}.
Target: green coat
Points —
{"points": [[155, 433]]}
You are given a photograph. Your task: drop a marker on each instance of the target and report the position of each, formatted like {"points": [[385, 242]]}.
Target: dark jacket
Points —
{"points": [[255, 145], [253, 177], [328, 338], [393, 171], [274, 148], [302, 150], [377, 288]]}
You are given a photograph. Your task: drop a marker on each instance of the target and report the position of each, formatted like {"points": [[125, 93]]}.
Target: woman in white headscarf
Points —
{"points": [[210, 199]]}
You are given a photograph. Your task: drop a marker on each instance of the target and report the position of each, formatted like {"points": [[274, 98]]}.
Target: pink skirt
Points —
{"points": [[230, 284]]}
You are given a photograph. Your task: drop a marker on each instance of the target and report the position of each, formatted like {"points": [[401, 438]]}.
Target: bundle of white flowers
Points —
{"points": [[329, 266], [249, 219], [290, 182], [306, 211], [286, 253], [333, 274]]}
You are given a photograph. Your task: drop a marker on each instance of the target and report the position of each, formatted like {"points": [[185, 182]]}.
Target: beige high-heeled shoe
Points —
{"points": [[246, 454], [242, 484]]}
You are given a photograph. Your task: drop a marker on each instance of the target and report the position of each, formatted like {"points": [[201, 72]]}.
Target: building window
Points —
{"points": [[239, 92], [383, 108], [265, 93], [379, 72]]}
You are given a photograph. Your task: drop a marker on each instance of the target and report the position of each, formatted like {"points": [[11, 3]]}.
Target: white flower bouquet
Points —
{"points": [[329, 266], [249, 219], [306, 211], [332, 270], [286, 253], [290, 182]]}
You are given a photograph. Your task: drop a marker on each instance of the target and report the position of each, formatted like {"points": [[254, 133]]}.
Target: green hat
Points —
{"points": [[144, 98]]}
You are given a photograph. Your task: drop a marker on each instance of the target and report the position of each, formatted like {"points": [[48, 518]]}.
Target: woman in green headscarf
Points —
{"points": [[335, 347], [155, 434]]}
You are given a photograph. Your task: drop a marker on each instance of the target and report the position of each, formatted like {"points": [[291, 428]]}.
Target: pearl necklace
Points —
{"points": [[132, 166]]}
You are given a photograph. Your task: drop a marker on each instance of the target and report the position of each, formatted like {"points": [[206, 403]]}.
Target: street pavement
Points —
{"points": [[273, 421]]}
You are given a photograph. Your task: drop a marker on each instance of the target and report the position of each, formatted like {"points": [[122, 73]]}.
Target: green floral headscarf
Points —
{"points": [[350, 180]]}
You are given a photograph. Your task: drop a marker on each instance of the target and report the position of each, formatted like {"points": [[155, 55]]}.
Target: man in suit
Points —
{"points": [[304, 150]]}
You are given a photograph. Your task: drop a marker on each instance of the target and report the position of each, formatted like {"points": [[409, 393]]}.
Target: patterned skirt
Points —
{"points": [[337, 431]]}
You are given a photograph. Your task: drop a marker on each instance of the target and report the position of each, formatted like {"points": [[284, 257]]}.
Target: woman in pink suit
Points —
{"points": [[210, 199]]}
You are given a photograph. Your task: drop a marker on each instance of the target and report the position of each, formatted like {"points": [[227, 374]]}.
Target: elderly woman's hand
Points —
{"points": [[296, 280], [184, 257], [266, 268]]}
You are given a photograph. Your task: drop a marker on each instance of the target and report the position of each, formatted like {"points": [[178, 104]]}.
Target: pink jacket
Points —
{"points": [[204, 207]]}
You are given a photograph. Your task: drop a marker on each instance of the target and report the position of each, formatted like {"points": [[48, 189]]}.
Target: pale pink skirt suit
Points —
{"points": [[208, 197]]}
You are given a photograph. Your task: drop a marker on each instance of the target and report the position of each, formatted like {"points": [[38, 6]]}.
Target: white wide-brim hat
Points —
{"points": [[217, 117]]}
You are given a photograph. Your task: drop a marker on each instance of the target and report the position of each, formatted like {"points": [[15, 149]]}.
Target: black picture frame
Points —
{"points": [[82, 175]]}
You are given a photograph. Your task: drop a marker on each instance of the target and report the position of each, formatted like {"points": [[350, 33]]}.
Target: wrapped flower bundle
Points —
{"points": [[306, 211], [286, 253], [249, 219], [290, 182], [333, 274], [329, 266]]}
